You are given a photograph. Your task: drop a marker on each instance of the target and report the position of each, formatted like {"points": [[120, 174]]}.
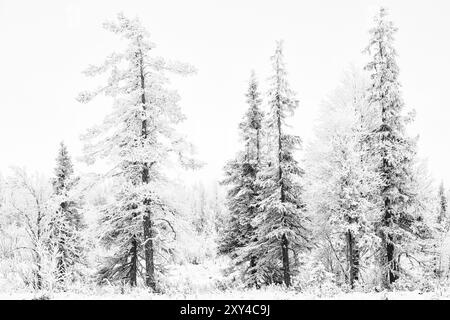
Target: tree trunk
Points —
{"points": [[133, 263], [149, 256], [253, 260], [258, 156], [391, 266], [61, 267], [62, 260], [352, 258], [147, 223], [38, 273], [392, 262], [284, 240], [285, 256]]}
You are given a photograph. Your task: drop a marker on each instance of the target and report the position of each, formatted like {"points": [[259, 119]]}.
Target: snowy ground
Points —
{"points": [[230, 295], [202, 281]]}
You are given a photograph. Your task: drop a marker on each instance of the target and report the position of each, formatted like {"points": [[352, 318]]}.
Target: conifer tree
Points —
{"points": [[442, 217], [281, 223], [67, 220], [139, 137], [241, 175], [393, 148], [441, 234]]}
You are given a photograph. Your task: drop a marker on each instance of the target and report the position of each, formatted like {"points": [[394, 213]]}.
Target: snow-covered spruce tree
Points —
{"points": [[140, 139], [394, 150], [341, 181], [282, 225], [442, 198], [67, 220], [441, 230], [242, 197]]}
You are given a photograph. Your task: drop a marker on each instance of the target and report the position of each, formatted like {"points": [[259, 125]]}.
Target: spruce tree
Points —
{"points": [[67, 220], [282, 225], [394, 150], [442, 217], [441, 234], [139, 137], [241, 175]]}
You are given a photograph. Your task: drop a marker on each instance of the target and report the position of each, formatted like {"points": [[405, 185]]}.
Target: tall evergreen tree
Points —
{"points": [[139, 136], [241, 175], [282, 222], [442, 217], [441, 235], [67, 221], [393, 148]]}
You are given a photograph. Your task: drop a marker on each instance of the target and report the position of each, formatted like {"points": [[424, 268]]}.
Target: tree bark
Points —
{"points": [[258, 147], [253, 261], [392, 262], [253, 258], [38, 248], [133, 263], [149, 253], [284, 240], [352, 258], [391, 266], [285, 255], [147, 223], [38, 274]]}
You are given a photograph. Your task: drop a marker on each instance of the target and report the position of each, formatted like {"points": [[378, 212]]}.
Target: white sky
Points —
{"points": [[44, 46]]}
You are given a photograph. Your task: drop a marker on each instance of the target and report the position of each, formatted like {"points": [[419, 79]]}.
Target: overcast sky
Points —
{"points": [[46, 44]]}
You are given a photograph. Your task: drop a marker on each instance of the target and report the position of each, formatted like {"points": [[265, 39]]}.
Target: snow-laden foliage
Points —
{"points": [[205, 212], [28, 204], [121, 229], [360, 213], [342, 182], [399, 226], [140, 139], [243, 194], [66, 222], [443, 203], [42, 227], [281, 223]]}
